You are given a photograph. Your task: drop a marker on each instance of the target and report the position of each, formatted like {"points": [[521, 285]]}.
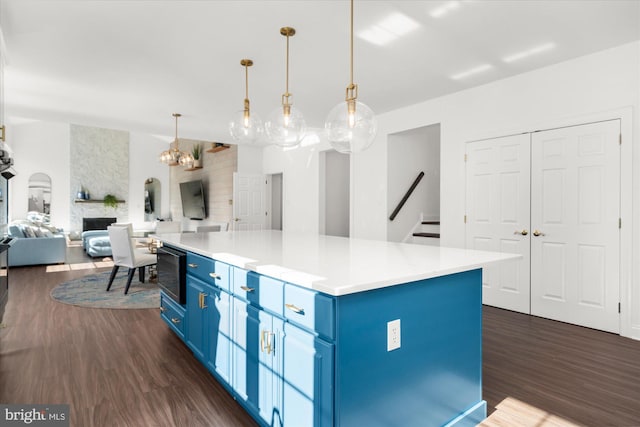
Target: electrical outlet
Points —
{"points": [[393, 335]]}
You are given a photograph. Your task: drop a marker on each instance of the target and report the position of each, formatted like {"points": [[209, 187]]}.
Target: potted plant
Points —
{"points": [[196, 151], [110, 201]]}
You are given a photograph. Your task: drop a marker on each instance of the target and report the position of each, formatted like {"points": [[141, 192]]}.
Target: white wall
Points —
{"points": [[335, 204], [300, 186], [409, 153], [144, 153], [40, 147], [45, 147], [596, 86], [575, 90]]}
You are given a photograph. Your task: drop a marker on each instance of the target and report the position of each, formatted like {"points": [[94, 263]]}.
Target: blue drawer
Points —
{"points": [[309, 309], [173, 314], [209, 271], [261, 291]]}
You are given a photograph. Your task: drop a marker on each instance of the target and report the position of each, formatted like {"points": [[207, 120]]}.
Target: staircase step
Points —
{"points": [[433, 235], [431, 222]]}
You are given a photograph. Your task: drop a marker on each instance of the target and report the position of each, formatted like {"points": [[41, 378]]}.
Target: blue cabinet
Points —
{"points": [[195, 336], [173, 314], [208, 333], [308, 379]]}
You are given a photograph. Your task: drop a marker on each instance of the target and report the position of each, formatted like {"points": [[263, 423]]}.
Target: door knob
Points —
{"points": [[524, 232], [538, 233], [236, 219]]}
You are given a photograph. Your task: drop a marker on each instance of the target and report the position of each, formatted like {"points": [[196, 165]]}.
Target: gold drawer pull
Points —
{"points": [[214, 275], [175, 320], [294, 308], [162, 309], [247, 289], [192, 265]]}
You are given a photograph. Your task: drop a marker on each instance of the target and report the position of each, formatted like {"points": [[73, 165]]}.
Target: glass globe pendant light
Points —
{"points": [[286, 126], [351, 125], [246, 126], [173, 156]]}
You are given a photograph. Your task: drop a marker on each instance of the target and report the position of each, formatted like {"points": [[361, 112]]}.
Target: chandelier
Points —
{"points": [[173, 156]]}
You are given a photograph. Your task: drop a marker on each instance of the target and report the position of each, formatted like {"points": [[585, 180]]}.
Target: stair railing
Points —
{"points": [[406, 196]]}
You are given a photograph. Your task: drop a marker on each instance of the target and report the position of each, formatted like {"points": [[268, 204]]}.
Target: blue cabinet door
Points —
{"points": [[195, 317], [270, 359], [218, 333], [244, 353], [308, 379]]}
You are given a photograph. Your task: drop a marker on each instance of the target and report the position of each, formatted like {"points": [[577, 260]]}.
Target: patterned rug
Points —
{"points": [[89, 291]]}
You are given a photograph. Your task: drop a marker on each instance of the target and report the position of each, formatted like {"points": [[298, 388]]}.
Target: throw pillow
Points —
{"points": [[29, 232], [38, 232], [15, 231]]}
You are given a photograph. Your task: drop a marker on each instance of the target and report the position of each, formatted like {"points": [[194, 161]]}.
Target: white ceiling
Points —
{"points": [[129, 64]]}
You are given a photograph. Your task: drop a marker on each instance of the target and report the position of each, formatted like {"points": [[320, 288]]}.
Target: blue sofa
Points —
{"points": [[45, 247]]}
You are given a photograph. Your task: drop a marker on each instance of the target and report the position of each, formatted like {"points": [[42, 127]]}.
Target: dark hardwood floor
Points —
{"points": [[126, 368], [114, 367]]}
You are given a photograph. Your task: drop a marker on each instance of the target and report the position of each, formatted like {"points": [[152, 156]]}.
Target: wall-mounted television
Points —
{"points": [[193, 203]]}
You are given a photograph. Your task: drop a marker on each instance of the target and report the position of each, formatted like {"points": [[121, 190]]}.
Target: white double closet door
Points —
{"points": [[554, 197]]}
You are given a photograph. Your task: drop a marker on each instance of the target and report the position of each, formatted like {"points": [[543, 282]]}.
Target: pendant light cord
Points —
{"points": [[351, 47], [246, 81], [287, 73]]}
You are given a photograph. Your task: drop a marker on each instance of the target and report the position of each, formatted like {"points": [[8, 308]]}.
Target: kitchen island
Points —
{"points": [[310, 330]]}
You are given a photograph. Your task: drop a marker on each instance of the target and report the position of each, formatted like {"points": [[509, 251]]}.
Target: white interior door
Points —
{"points": [[575, 243], [498, 215], [248, 202]]}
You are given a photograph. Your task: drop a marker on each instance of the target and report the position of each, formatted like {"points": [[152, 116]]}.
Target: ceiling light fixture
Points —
{"points": [[529, 52], [472, 71], [246, 127], [443, 10], [286, 126], [173, 156], [389, 29], [351, 125]]}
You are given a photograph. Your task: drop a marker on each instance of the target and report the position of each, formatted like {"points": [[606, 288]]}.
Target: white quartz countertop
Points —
{"points": [[333, 265]]}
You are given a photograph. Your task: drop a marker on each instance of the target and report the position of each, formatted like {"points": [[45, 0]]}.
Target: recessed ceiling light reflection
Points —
{"points": [[391, 28], [472, 71], [529, 52], [443, 10]]}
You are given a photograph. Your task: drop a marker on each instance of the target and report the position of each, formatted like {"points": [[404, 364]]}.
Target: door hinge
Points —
{"points": [[465, 219], [465, 158], [619, 222], [619, 308], [620, 139]]}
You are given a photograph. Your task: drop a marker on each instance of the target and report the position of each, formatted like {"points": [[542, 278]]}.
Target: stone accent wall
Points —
{"points": [[99, 161]]}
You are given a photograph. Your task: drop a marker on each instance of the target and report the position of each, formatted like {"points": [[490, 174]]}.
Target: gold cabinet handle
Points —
{"points": [[162, 309], [266, 341], [214, 276], [538, 233], [202, 297], [524, 232], [247, 289], [175, 320], [192, 265], [294, 308]]}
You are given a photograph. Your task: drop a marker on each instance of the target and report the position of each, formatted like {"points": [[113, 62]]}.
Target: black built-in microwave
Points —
{"points": [[171, 273]]}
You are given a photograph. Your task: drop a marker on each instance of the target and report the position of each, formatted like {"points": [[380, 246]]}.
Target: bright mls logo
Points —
{"points": [[34, 415]]}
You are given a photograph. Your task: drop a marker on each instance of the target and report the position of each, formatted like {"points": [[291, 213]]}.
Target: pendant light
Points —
{"points": [[351, 125], [173, 156], [286, 126], [246, 126]]}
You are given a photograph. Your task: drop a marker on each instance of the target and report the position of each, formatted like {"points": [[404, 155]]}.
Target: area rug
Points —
{"points": [[89, 291]]}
